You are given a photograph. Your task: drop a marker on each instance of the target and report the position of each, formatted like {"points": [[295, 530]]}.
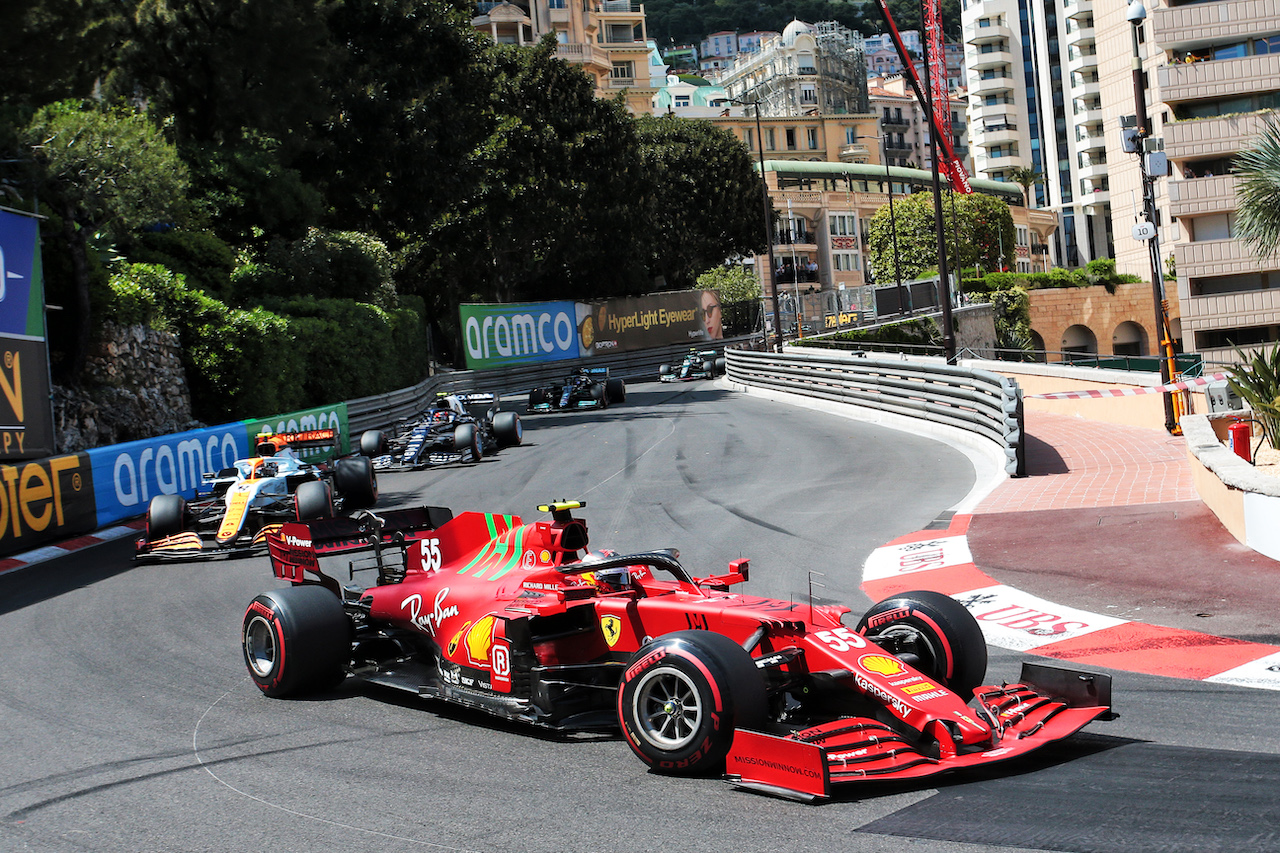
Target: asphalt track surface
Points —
{"points": [[128, 723]]}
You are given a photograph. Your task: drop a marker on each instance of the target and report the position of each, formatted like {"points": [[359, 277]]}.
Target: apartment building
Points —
{"points": [[883, 59], [905, 125], [1212, 77], [1035, 102], [821, 240], [809, 68], [607, 38]]}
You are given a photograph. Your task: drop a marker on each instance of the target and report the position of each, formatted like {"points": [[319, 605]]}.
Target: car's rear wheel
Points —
{"points": [[508, 429], [295, 640], [166, 515], [933, 633], [684, 696], [615, 390], [313, 499], [356, 481]]}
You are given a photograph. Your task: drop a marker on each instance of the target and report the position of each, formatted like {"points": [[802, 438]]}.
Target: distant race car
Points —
{"points": [[459, 428], [235, 509], [704, 364], [523, 622], [588, 388]]}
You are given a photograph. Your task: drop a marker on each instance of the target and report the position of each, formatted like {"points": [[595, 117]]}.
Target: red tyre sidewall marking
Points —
{"points": [[942, 637], [679, 652]]}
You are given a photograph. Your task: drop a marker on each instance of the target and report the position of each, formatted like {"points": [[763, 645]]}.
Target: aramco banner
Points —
{"points": [[26, 423], [533, 332]]}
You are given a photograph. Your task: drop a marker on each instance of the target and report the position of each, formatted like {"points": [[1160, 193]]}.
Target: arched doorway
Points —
{"points": [[1078, 341], [1129, 338], [1037, 347]]}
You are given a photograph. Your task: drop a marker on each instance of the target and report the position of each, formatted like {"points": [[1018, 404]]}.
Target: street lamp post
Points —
{"points": [[768, 228], [904, 295], [1136, 15]]}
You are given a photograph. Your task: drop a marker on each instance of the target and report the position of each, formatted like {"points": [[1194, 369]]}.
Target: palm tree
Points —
{"points": [[1258, 191], [1025, 176]]}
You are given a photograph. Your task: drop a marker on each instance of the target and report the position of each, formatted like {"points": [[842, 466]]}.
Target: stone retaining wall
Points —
{"points": [[134, 387]]}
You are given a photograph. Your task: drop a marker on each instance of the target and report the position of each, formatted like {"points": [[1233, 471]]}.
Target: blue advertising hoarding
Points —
{"points": [[127, 476]]}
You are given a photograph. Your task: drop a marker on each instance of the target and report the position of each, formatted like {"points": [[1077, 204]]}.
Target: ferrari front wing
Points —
{"points": [[1048, 705]]}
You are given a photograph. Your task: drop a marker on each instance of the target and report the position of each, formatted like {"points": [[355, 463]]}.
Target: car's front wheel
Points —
{"points": [[933, 633], [166, 515], [295, 640], [684, 696]]}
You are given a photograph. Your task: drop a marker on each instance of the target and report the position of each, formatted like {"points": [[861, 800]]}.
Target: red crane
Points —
{"points": [[937, 102]]}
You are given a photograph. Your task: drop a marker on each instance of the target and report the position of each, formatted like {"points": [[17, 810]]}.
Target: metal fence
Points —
{"points": [[977, 401]]}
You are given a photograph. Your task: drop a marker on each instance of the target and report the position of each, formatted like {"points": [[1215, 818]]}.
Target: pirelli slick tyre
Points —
{"points": [[537, 397], [683, 697], [615, 391], [664, 370], [372, 443], [313, 499], [933, 633], [166, 515], [296, 640], [467, 437], [356, 481], [508, 429], [720, 366]]}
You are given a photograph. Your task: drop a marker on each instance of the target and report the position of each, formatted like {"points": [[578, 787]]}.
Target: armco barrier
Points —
{"points": [[977, 401], [382, 410]]}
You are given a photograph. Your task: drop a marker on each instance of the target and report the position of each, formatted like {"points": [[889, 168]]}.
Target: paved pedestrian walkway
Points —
{"points": [[1103, 555]]}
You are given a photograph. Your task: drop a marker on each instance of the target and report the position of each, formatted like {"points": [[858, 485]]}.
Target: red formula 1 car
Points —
{"points": [[522, 621]]}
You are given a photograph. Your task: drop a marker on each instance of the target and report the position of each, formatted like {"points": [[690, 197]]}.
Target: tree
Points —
{"points": [[706, 197], [1025, 177], [734, 283], [982, 222], [221, 67], [1258, 191], [101, 170]]}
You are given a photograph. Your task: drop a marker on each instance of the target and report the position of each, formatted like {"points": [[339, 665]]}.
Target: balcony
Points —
{"points": [[992, 85], [1086, 89], [974, 34], [1086, 141], [1201, 196], [984, 59], [1096, 202], [1082, 63], [1197, 24], [1082, 9], [1220, 257], [897, 124], [992, 113], [1218, 78], [989, 136], [1093, 170], [1206, 138], [1081, 37], [585, 54]]}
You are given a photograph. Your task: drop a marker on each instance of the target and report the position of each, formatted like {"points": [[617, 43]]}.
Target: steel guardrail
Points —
{"points": [[978, 401]]}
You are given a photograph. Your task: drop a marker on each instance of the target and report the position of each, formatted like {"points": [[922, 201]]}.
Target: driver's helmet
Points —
{"points": [[442, 402]]}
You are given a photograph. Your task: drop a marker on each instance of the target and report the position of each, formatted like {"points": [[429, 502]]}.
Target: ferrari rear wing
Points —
{"points": [[297, 546]]}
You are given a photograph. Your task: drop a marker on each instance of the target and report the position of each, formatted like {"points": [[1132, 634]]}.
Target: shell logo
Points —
{"points": [[479, 640], [544, 556], [882, 664]]}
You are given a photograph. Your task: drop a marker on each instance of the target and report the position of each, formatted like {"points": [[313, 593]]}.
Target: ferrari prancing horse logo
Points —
{"points": [[612, 628]]}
